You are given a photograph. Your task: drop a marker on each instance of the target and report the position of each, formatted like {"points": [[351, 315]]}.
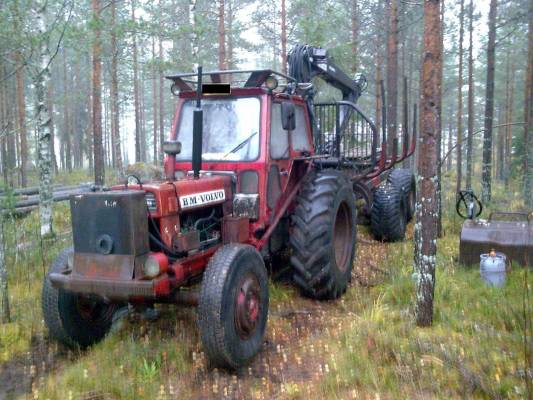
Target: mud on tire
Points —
{"points": [[233, 306], [323, 235], [72, 319], [388, 217]]}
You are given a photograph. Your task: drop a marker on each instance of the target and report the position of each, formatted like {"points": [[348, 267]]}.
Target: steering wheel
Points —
{"points": [[468, 205]]}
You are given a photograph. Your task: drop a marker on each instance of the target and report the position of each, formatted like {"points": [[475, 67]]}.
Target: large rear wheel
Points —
{"points": [[71, 318], [389, 217], [405, 180], [233, 307], [323, 235]]}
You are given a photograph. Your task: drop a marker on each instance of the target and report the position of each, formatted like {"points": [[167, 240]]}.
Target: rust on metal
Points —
{"points": [[235, 229], [111, 266]]}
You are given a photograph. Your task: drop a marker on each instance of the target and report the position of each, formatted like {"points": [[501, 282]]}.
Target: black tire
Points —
{"points": [[323, 237], [388, 219], [73, 319], [233, 306], [405, 179]]}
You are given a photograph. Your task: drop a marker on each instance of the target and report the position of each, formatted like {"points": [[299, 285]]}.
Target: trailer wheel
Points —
{"points": [[233, 306], [72, 319], [388, 218], [324, 235], [405, 179]]}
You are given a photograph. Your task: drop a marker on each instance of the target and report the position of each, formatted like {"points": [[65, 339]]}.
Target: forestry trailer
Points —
{"points": [[254, 168]]}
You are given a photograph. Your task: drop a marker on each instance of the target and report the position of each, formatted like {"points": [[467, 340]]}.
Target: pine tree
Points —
{"points": [[489, 107], [426, 209]]}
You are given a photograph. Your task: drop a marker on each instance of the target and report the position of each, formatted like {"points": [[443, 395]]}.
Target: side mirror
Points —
{"points": [[288, 116], [171, 147]]}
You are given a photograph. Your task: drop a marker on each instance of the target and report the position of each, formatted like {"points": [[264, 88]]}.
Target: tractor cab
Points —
{"points": [[251, 131]]}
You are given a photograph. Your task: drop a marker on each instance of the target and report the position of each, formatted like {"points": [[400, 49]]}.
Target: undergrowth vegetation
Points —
{"points": [[365, 345]]}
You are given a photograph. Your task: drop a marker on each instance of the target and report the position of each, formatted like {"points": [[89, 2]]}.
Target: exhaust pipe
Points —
{"points": [[197, 129]]}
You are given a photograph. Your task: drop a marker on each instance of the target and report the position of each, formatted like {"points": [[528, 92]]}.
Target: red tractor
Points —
{"points": [[254, 168]]}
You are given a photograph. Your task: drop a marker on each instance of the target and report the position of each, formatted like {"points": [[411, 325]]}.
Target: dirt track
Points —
{"points": [[295, 352]]}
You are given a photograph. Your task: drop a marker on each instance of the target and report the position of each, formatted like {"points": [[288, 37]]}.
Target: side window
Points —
{"points": [[279, 138], [299, 138]]}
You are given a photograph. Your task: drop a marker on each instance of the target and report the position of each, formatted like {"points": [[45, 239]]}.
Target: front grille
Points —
{"points": [[150, 202]]}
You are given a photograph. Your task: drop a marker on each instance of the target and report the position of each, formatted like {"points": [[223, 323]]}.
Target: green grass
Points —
{"points": [[364, 346]]}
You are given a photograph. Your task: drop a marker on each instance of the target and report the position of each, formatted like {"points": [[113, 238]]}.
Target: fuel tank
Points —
{"points": [[508, 233]]}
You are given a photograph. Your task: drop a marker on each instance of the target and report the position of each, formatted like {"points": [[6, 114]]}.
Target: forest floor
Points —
{"points": [[364, 345]]}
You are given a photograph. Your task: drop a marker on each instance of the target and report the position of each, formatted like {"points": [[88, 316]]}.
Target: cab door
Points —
{"points": [[279, 157]]}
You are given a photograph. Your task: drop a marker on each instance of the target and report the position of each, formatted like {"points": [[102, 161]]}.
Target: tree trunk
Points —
{"points": [[489, 107], [353, 36], [221, 36], [283, 37], [501, 145], [426, 209], [66, 118], [115, 118], [155, 76], [509, 128], [230, 62], [450, 134], [21, 118], [136, 89], [470, 137], [44, 122], [5, 315], [142, 108], [379, 102], [439, 124], [528, 114], [459, 146], [50, 105], [99, 168], [392, 74], [161, 98]]}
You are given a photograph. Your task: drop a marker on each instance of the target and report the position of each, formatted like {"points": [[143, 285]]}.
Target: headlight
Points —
{"points": [[155, 264], [151, 267]]}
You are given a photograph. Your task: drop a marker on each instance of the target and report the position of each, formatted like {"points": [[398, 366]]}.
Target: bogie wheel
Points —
{"points": [[405, 179], [233, 306], [324, 235], [389, 217], [73, 319]]}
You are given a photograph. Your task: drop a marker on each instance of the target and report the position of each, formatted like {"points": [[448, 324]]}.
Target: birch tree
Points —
{"points": [[426, 208], [44, 122]]}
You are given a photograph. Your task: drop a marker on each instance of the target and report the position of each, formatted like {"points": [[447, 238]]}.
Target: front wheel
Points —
{"points": [[74, 319], [233, 306]]}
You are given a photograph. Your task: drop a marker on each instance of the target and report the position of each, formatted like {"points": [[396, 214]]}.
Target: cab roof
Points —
{"points": [[253, 78]]}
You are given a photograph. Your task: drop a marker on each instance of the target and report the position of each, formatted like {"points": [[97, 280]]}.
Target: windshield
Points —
{"points": [[230, 131]]}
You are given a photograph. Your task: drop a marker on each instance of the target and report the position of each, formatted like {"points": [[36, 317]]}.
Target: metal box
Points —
{"points": [[113, 222], [508, 233]]}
